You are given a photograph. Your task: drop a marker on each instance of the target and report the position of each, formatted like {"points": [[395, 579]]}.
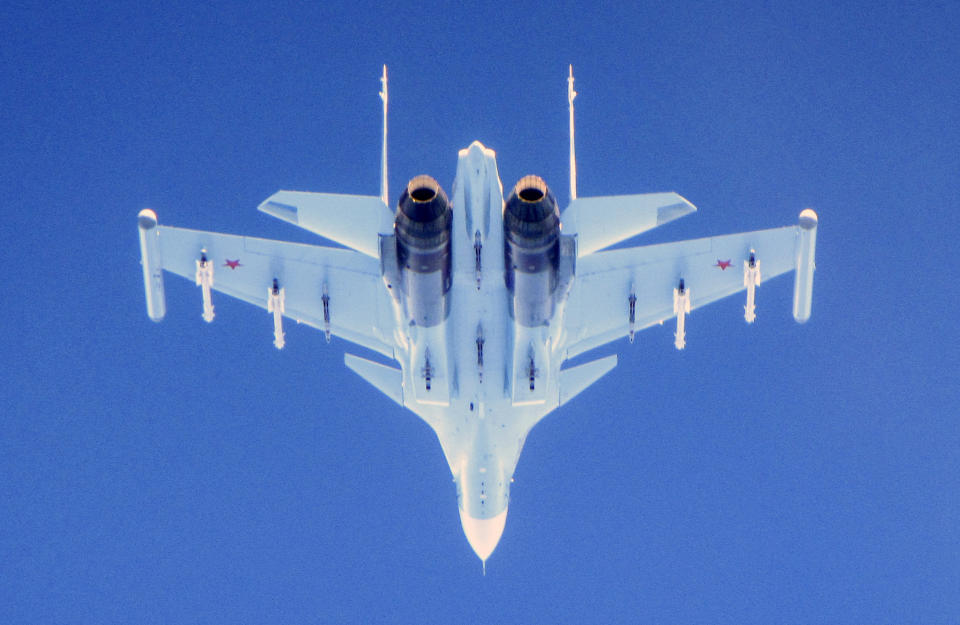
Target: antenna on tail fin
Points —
{"points": [[571, 94], [384, 192]]}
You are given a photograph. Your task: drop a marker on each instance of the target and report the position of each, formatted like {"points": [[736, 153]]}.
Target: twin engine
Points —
{"points": [[538, 261]]}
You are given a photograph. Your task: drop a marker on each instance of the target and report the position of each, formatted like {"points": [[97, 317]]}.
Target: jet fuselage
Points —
{"points": [[459, 376]]}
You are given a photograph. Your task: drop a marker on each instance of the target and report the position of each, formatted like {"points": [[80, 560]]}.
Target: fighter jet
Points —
{"points": [[475, 299]]}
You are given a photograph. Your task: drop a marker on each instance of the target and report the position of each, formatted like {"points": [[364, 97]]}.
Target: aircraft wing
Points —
{"points": [[598, 310], [357, 306]]}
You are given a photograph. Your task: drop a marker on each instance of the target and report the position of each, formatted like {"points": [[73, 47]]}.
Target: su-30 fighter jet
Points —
{"points": [[478, 299]]}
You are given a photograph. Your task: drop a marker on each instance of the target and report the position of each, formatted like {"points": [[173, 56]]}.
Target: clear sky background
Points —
{"points": [[190, 473]]}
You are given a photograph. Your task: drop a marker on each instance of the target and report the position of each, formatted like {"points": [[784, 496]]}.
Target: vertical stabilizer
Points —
{"points": [[571, 94], [384, 191]]}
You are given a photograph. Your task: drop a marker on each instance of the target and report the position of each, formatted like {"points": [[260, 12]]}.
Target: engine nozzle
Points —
{"points": [[531, 217], [424, 214], [531, 224], [422, 227]]}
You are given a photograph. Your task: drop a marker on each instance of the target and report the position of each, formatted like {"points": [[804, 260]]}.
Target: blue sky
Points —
{"points": [[186, 473]]}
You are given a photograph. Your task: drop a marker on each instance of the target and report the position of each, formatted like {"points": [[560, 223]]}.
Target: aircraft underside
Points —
{"points": [[478, 298]]}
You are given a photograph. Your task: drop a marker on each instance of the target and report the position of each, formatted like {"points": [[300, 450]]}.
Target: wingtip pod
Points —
{"points": [[152, 264], [806, 263], [146, 219], [808, 219]]}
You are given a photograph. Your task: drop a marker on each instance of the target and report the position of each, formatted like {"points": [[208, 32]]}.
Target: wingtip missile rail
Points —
{"points": [[806, 252], [152, 264]]}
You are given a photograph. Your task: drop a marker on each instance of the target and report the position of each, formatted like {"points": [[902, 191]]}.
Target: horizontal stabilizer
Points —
{"points": [[600, 222], [351, 220], [386, 379], [575, 379]]}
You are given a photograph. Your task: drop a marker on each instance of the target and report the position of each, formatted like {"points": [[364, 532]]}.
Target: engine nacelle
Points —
{"points": [[422, 229], [531, 226]]}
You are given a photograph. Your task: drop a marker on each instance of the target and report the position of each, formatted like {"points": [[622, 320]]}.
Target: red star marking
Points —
{"points": [[723, 264], [232, 264]]}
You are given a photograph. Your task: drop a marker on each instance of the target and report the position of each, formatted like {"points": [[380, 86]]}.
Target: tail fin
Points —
{"points": [[384, 192], [352, 220], [571, 94]]}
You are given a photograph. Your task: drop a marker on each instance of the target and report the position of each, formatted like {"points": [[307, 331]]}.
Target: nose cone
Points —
{"points": [[483, 534]]}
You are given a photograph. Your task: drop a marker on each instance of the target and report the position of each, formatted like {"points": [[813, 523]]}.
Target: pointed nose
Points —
{"points": [[483, 534]]}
